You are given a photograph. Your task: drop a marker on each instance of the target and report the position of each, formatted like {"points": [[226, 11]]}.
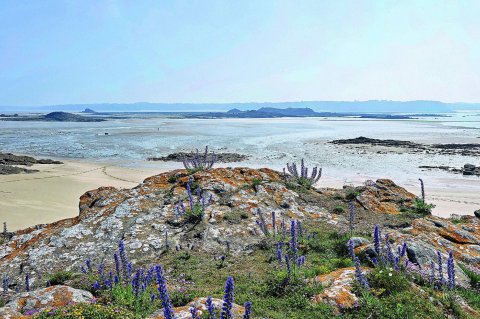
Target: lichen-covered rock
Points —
{"points": [[8, 313], [200, 303], [143, 217], [338, 289], [26, 303], [384, 196]]}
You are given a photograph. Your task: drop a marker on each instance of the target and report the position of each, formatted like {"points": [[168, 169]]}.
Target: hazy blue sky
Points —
{"points": [[59, 52]]}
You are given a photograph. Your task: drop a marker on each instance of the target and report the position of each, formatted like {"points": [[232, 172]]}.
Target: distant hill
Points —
{"points": [[89, 111], [288, 111], [68, 117], [55, 117], [372, 106]]}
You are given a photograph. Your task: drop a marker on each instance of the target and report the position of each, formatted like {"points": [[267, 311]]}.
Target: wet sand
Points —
{"points": [[54, 192]]}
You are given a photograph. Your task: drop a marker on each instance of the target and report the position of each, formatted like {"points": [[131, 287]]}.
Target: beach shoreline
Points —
{"points": [[53, 193]]}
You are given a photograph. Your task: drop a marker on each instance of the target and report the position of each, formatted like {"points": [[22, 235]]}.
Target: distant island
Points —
{"points": [[370, 106], [270, 112], [54, 117]]}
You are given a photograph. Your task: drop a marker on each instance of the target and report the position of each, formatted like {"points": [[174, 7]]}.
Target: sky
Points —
{"points": [[70, 52]]}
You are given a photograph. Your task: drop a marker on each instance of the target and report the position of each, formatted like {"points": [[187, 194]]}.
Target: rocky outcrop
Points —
{"points": [[10, 159], [467, 169], [469, 149], [384, 196], [338, 289], [144, 218], [377, 142], [9, 162], [24, 304], [470, 169], [200, 304], [220, 157]]}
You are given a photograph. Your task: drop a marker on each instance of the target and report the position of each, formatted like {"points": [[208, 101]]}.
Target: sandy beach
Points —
{"points": [[53, 193]]}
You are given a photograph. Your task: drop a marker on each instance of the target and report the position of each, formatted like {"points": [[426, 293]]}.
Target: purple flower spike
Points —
{"points": [[440, 268], [451, 271], [194, 312], [248, 310], [228, 299], [210, 308], [27, 282], [163, 292], [362, 280], [376, 239]]}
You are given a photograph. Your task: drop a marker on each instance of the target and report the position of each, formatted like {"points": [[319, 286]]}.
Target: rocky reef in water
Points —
{"points": [[9, 163], [466, 149], [234, 237]]}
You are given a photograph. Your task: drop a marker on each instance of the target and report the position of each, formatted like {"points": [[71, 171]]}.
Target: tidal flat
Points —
{"points": [[115, 153]]}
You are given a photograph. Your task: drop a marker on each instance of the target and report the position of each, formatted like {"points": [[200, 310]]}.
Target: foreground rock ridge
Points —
{"points": [[144, 218]]}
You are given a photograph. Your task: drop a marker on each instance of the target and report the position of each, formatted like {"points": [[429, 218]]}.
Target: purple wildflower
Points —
{"points": [[129, 271], [300, 228], [117, 264], [451, 270], [190, 197], [376, 239], [210, 308], [403, 251], [396, 263], [440, 268], [261, 223], [96, 286], [194, 312], [89, 265], [351, 249], [196, 161], [228, 299], [123, 258], [301, 261], [388, 247], [248, 310], [351, 217], [287, 262], [162, 289], [362, 280], [432, 272], [293, 240], [101, 272], [273, 222], [5, 281], [136, 282], [27, 282], [279, 253]]}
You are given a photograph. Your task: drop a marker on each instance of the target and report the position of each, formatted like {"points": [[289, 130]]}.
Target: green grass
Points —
{"points": [[235, 216], [338, 209], [60, 277]]}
